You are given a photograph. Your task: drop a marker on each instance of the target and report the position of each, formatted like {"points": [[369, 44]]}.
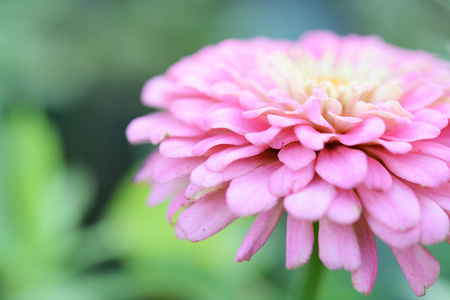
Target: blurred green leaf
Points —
{"points": [[42, 203], [163, 266]]}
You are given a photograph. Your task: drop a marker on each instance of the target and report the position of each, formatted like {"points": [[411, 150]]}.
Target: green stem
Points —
{"points": [[308, 277]]}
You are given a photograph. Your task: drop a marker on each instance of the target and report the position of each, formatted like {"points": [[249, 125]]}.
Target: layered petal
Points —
{"points": [[205, 218], [231, 118], [421, 269], [341, 166], [434, 221], [378, 178], [364, 277], [178, 202], [249, 194], [158, 126], [299, 242], [421, 96], [220, 160], [338, 246], [312, 202], [397, 208], [311, 138], [441, 195], [368, 131], [167, 169], [396, 238], [259, 233], [295, 156], [345, 207], [421, 169], [161, 192], [284, 181]]}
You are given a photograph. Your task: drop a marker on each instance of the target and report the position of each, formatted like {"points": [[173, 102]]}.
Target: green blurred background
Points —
{"points": [[71, 224]]}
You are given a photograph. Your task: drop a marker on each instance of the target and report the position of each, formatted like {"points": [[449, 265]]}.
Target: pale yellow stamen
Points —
{"points": [[349, 80]]}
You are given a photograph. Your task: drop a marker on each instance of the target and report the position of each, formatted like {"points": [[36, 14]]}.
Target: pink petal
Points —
{"points": [[432, 149], [397, 208], [176, 205], [249, 194], [434, 222], [343, 123], [319, 42], [226, 91], [417, 168], [204, 177], [255, 113], [378, 178], [285, 181], [280, 96], [194, 192], [195, 83], [179, 233], [281, 121], [259, 233], [395, 147], [158, 126], [345, 207], [338, 246], [314, 112], [421, 269], [395, 108], [312, 202], [250, 101], [444, 108], [206, 217], [220, 160], [221, 139], [299, 242], [260, 81], [432, 117], [412, 132], [192, 110], [145, 173], [322, 93], [444, 137], [342, 166], [393, 237], [389, 118], [178, 147], [285, 137], [231, 118], [154, 90], [263, 137], [386, 91], [161, 192], [368, 131], [421, 96], [167, 169], [311, 138], [439, 195], [295, 156], [364, 277]]}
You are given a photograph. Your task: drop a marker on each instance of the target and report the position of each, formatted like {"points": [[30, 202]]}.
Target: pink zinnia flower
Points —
{"points": [[347, 131]]}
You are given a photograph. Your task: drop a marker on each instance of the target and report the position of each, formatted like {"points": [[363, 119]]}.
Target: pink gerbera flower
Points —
{"points": [[347, 131]]}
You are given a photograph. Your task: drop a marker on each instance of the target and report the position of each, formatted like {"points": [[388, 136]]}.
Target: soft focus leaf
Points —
{"points": [[160, 261], [41, 207]]}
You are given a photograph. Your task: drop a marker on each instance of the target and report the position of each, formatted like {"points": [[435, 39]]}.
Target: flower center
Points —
{"points": [[335, 81], [349, 81]]}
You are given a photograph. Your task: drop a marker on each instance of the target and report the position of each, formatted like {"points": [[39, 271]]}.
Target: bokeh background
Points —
{"points": [[72, 226]]}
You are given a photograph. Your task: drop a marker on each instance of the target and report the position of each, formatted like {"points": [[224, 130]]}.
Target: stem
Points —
{"points": [[308, 279]]}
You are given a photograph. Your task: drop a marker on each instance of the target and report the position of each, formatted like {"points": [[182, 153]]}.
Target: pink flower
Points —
{"points": [[347, 131]]}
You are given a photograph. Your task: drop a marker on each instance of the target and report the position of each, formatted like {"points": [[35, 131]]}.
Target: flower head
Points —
{"points": [[347, 131]]}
